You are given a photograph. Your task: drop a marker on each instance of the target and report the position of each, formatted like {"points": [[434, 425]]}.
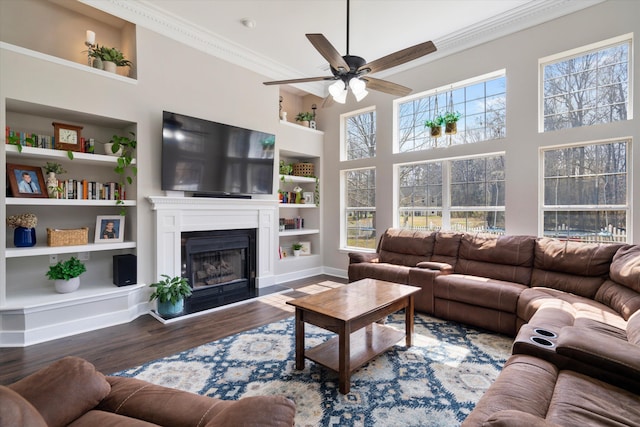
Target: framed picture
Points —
{"points": [[306, 248], [109, 229], [26, 181], [67, 137], [308, 197]]}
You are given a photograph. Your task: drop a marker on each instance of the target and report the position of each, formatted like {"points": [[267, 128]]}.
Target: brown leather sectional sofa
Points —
{"points": [[573, 308], [71, 392]]}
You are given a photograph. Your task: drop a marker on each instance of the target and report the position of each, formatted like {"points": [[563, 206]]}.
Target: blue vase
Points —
{"points": [[24, 237]]}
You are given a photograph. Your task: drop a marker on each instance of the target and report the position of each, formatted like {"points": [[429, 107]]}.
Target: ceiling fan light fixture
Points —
{"points": [[359, 88], [338, 91]]}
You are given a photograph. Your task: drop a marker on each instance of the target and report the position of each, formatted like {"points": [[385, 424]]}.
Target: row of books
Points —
{"points": [[291, 223], [76, 189], [27, 139]]}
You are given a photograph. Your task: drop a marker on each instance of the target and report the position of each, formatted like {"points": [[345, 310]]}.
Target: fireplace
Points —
{"points": [[220, 266]]}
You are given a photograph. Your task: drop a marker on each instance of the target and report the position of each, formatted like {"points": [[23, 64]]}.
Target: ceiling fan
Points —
{"points": [[351, 71]]}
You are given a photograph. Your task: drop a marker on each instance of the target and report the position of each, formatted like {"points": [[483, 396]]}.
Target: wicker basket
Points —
{"points": [[76, 236], [303, 169]]}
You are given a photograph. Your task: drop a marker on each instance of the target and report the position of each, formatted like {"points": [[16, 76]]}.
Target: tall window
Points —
{"points": [[463, 195], [585, 192], [360, 134], [587, 86], [481, 104], [360, 208]]}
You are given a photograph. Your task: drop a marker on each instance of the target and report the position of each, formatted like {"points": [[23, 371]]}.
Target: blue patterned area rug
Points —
{"points": [[436, 382]]}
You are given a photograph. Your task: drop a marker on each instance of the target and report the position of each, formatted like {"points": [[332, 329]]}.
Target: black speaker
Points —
{"points": [[125, 269]]}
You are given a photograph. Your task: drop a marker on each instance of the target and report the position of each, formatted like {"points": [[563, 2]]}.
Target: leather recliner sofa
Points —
{"points": [[573, 305], [70, 392]]}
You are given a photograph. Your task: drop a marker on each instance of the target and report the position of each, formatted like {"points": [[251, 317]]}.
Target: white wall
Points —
{"points": [[518, 54]]}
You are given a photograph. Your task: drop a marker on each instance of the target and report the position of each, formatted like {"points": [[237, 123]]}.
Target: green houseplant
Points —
{"points": [[304, 118], [123, 147], [170, 293], [435, 126], [66, 275], [450, 121], [106, 55], [296, 248]]}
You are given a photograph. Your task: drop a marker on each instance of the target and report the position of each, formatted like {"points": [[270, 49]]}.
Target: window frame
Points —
{"points": [[575, 53], [443, 89], [343, 132], [344, 209], [542, 207]]}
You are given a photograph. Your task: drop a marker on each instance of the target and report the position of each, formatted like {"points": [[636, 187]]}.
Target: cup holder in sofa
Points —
{"points": [[541, 341], [545, 333]]}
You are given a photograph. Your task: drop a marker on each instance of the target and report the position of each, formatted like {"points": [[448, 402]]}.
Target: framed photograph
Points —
{"points": [[67, 137], [306, 248], [109, 229], [26, 181], [308, 198]]}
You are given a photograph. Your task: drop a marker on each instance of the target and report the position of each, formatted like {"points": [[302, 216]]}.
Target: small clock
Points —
{"points": [[67, 137]]}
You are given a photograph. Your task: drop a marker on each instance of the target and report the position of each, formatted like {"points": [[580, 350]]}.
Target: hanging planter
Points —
{"points": [[451, 122], [435, 126]]}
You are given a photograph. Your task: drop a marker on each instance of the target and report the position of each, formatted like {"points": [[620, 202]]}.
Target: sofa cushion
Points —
{"points": [[480, 291], [633, 329], [579, 400], [406, 247], [620, 298], [446, 246], [584, 259], [15, 410], [74, 379], [108, 419], [585, 286], [625, 267], [498, 257]]}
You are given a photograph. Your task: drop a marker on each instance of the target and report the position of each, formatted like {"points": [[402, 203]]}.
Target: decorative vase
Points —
{"points": [[24, 237], [296, 252], [52, 185], [305, 123], [283, 116], [170, 309], [109, 66], [66, 286], [436, 131], [97, 63], [451, 128]]}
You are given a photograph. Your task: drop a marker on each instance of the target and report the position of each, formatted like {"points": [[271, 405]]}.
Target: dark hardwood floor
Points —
{"points": [[124, 346]]}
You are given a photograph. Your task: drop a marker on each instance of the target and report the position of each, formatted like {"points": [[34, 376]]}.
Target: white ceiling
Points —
{"points": [[277, 47]]}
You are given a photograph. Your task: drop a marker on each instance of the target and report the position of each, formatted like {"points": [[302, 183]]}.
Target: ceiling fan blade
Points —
{"points": [[327, 51], [400, 57], [303, 80], [385, 86]]}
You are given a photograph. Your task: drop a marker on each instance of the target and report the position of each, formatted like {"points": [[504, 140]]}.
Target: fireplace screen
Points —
{"points": [[215, 267]]}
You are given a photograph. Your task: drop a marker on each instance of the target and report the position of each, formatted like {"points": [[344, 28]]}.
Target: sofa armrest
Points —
{"points": [[166, 406], [358, 257], [515, 418], [604, 352], [442, 267]]}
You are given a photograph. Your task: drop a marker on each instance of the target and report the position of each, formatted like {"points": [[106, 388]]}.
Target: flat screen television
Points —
{"points": [[215, 159]]}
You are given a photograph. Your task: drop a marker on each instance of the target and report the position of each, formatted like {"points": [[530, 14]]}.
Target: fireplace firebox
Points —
{"points": [[220, 266]]}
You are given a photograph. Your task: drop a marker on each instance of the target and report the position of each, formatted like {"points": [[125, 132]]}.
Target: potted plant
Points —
{"points": [[108, 57], [304, 118], [450, 121], [66, 275], [170, 293], [285, 168], [296, 248], [123, 147], [51, 169], [435, 126]]}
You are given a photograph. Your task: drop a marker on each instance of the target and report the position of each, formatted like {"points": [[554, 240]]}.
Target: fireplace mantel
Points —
{"points": [[173, 215]]}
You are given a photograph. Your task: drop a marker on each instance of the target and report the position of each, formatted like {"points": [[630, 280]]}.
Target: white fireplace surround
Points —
{"points": [[174, 215]]}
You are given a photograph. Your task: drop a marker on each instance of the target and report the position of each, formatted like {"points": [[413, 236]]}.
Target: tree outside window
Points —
{"points": [[360, 208], [360, 135], [586, 89], [585, 192]]}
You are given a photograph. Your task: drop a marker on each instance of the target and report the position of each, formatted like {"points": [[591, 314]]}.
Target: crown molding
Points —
{"points": [[147, 15]]}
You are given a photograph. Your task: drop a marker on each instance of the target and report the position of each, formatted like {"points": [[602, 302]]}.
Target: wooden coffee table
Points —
{"points": [[351, 312]]}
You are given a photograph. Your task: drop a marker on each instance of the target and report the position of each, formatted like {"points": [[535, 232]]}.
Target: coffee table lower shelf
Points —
{"points": [[365, 344]]}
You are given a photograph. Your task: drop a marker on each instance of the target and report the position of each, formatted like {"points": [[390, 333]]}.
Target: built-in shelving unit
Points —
{"points": [[45, 83], [297, 144]]}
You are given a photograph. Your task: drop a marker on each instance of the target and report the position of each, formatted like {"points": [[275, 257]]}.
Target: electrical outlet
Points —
{"points": [[83, 256], [53, 258]]}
